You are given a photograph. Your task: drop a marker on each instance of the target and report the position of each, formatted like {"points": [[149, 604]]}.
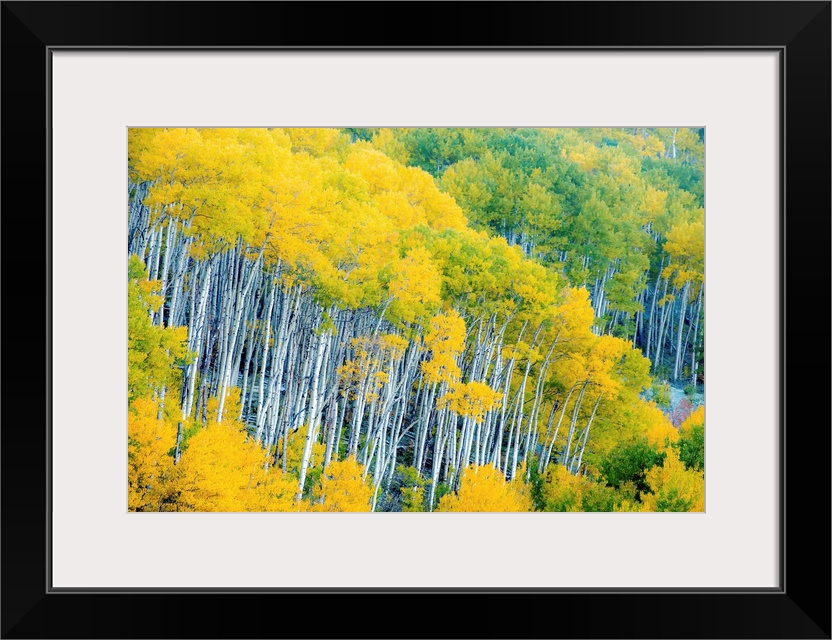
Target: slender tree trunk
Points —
{"points": [[566, 450], [267, 338], [311, 432], [555, 435], [579, 457], [678, 364]]}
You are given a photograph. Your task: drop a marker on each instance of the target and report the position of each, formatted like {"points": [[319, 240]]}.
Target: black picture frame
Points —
{"points": [[799, 608]]}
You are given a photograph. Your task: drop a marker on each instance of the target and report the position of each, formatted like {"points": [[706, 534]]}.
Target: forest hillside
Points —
{"points": [[415, 320]]}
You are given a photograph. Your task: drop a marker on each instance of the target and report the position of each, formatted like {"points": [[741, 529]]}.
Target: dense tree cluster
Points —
{"points": [[413, 320], [617, 211]]}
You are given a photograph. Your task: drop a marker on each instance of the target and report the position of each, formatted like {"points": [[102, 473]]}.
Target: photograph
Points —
{"points": [[416, 319], [453, 267]]}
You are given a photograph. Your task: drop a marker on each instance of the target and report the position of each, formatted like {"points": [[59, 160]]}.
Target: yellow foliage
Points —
{"points": [[393, 344], [349, 375], [314, 141], [674, 488], [412, 499], [232, 406], [472, 399], [563, 491], [446, 340], [378, 171], [437, 207], [297, 442], [627, 506], [149, 466], [343, 488], [654, 202], [660, 431], [585, 155], [372, 353], [652, 147], [415, 286], [386, 141], [576, 315], [332, 212], [358, 229], [697, 418], [153, 352], [686, 246], [484, 489], [221, 471], [602, 360]]}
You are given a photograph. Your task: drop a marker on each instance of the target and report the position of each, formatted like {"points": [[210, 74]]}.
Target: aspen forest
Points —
{"points": [[422, 320]]}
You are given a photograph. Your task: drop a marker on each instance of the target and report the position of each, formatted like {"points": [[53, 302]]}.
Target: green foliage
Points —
{"points": [[593, 204], [360, 134], [661, 394], [692, 448], [442, 489], [407, 491], [673, 487], [155, 355], [691, 444], [412, 489], [297, 443], [629, 464], [599, 497], [536, 483], [447, 241], [563, 491]]}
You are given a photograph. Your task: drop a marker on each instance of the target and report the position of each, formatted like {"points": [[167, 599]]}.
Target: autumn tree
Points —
{"points": [[313, 305], [155, 355], [150, 441], [691, 444], [222, 471], [485, 489], [343, 487], [673, 487]]}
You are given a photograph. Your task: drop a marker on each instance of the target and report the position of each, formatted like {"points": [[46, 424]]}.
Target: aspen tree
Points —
{"points": [[364, 312]]}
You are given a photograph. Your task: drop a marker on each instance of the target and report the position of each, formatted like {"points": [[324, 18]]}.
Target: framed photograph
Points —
{"points": [[494, 310]]}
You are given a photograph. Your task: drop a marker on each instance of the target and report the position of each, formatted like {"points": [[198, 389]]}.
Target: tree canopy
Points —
{"points": [[413, 319]]}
